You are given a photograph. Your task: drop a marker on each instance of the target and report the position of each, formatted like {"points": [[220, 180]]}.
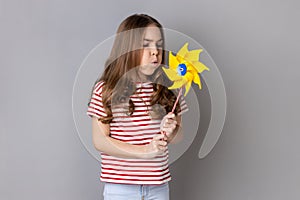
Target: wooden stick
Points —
{"points": [[180, 91]]}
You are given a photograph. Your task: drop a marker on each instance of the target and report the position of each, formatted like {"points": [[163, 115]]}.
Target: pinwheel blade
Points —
{"points": [[172, 75], [200, 67], [193, 55], [177, 84], [197, 81], [173, 62], [183, 51], [187, 87]]}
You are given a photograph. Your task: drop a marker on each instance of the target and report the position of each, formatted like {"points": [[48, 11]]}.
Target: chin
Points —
{"points": [[148, 71]]}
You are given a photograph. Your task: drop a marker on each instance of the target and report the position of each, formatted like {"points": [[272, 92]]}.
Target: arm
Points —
{"points": [[104, 143]]}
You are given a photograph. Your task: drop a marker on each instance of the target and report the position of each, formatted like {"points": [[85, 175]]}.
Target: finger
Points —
{"points": [[170, 125], [162, 143], [168, 131], [170, 121], [164, 134], [158, 137], [170, 115], [162, 149]]}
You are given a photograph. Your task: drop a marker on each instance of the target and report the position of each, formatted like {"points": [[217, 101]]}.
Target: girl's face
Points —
{"points": [[152, 51]]}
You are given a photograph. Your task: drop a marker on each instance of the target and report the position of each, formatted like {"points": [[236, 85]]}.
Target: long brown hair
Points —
{"points": [[125, 55]]}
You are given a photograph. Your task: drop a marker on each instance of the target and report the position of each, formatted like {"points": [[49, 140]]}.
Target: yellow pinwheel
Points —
{"points": [[184, 68]]}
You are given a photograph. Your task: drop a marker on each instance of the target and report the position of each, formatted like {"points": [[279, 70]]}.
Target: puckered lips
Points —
{"points": [[154, 63]]}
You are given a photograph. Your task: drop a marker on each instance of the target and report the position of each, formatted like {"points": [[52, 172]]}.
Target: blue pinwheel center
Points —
{"points": [[181, 69]]}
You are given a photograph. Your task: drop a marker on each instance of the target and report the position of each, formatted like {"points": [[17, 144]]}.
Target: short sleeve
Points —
{"points": [[183, 106], [95, 106]]}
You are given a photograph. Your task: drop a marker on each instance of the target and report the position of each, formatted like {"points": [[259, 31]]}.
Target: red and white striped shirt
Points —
{"points": [[137, 129]]}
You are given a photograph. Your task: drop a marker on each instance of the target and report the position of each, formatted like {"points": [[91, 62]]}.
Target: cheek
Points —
{"points": [[144, 57], [160, 54]]}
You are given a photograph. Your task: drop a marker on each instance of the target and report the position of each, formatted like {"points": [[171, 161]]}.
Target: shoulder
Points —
{"points": [[98, 87]]}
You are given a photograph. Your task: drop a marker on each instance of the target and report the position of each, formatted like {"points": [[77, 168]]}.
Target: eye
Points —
{"points": [[159, 45], [146, 45]]}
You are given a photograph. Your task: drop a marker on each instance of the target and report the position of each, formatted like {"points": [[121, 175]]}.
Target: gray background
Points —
{"points": [[254, 43]]}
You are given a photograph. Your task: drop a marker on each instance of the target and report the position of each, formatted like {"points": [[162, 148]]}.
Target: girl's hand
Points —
{"points": [[168, 124], [156, 147]]}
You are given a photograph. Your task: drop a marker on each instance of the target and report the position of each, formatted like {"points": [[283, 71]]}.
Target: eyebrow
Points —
{"points": [[148, 40]]}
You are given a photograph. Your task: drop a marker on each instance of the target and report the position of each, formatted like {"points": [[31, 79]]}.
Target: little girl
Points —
{"points": [[129, 106]]}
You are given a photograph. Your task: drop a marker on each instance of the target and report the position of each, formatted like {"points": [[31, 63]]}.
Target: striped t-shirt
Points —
{"points": [[138, 129]]}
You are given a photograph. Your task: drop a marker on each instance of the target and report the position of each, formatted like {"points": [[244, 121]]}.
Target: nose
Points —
{"points": [[154, 51]]}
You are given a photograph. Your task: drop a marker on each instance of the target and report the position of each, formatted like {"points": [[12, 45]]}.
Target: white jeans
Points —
{"points": [[113, 191]]}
